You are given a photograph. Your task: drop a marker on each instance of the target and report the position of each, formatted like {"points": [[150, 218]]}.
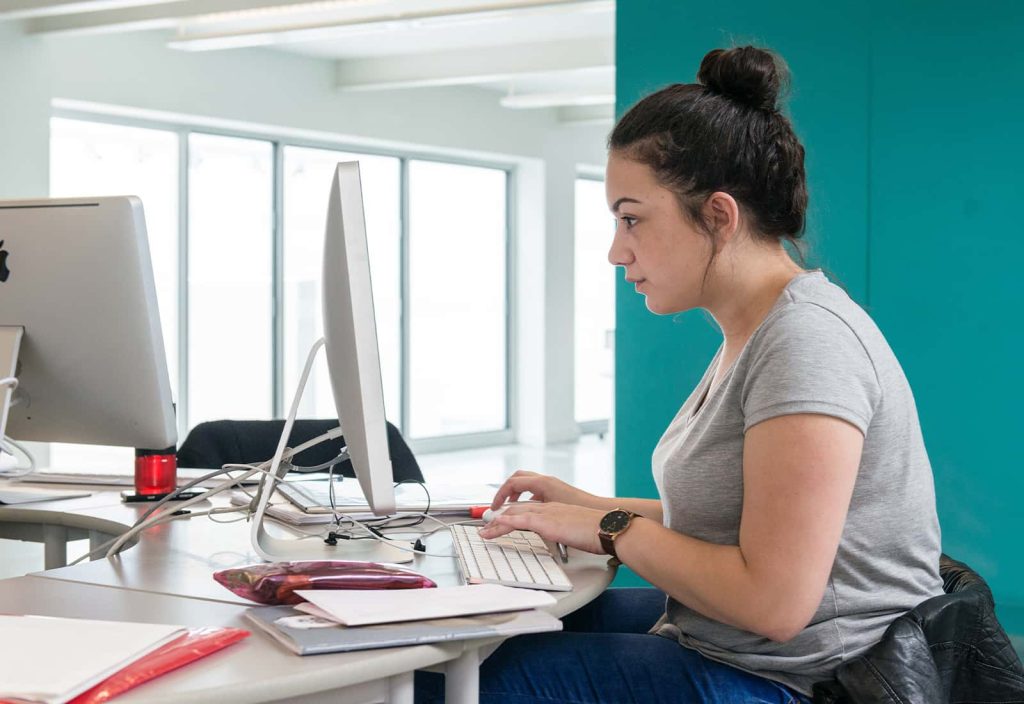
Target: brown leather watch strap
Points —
{"points": [[608, 543]]}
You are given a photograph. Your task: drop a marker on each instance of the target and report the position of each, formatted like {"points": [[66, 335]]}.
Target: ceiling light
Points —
{"points": [[551, 100], [279, 11]]}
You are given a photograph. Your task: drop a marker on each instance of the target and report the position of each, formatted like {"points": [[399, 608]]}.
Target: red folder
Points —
{"points": [[193, 645]]}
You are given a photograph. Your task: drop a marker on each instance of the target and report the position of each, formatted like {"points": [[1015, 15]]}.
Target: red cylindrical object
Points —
{"points": [[156, 472]]}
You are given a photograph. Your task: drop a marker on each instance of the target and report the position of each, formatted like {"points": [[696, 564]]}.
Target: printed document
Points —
{"points": [[356, 607]]}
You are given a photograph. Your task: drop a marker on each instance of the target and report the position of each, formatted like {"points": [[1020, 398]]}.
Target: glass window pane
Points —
{"points": [[308, 174], [595, 303], [97, 159], [457, 299], [230, 342]]}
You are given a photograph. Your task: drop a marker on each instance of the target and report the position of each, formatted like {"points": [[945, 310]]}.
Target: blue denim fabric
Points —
{"points": [[606, 656]]}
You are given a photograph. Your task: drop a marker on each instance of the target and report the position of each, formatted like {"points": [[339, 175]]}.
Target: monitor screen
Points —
{"points": [[350, 333]]}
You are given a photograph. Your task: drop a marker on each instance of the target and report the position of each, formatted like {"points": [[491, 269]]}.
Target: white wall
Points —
{"points": [[266, 87]]}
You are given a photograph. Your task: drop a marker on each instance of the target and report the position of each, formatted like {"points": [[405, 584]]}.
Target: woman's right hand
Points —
{"points": [[544, 488]]}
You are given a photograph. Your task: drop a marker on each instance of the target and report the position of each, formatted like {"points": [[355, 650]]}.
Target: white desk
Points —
{"points": [[166, 578]]}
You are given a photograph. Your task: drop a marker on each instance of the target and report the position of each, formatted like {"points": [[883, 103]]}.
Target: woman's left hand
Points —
{"points": [[574, 526]]}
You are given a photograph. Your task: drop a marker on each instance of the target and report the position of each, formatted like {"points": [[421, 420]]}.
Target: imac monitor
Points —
{"points": [[350, 340], [350, 333], [79, 325]]}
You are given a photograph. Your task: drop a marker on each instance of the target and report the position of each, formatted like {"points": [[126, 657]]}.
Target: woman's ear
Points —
{"points": [[722, 212]]}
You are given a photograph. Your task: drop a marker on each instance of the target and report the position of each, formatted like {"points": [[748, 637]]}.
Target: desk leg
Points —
{"points": [[96, 539], [55, 546], [401, 689], [462, 679]]}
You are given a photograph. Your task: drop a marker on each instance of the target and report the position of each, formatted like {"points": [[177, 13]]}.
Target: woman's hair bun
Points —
{"points": [[746, 74]]}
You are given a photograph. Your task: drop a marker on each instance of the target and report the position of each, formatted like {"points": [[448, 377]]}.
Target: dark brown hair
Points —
{"points": [[724, 133]]}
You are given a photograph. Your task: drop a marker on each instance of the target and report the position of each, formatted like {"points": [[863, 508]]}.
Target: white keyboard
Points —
{"points": [[518, 559]]}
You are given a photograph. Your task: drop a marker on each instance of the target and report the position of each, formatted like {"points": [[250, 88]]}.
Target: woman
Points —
{"points": [[796, 517]]}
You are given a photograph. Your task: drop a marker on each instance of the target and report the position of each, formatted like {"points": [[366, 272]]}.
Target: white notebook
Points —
{"points": [[53, 660], [357, 607]]}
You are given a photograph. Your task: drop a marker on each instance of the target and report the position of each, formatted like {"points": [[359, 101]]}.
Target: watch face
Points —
{"points": [[614, 522]]}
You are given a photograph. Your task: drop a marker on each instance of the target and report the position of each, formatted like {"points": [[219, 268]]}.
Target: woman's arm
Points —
{"points": [[798, 477]]}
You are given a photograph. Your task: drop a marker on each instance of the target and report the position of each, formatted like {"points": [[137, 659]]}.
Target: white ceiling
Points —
{"points": [[527, 26], [530, 53]]}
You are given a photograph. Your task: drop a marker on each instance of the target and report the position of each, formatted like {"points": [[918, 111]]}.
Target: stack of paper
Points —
{"points": [[283, 511], [342, 620], [305, 634], [53, 660]]}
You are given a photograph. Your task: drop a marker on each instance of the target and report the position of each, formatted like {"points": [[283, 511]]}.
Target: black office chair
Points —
{"points": [[950, 648], [219, 442]]}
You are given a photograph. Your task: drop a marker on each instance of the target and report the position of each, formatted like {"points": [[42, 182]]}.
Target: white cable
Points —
{"points": [[144, 521], [14, 472], [165, 518], [11, 382], [154, 516], [396, 543]]}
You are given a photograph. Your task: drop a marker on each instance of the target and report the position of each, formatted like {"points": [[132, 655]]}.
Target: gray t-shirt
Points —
{"points": [[815, 352]]}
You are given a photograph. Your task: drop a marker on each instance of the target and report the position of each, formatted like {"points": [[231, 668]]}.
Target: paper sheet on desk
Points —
{"points": [[284, 511], [364, 607], [54, 659]]}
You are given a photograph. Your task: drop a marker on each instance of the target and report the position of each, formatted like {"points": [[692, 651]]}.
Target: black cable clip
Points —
{"points": [[333, 538]]}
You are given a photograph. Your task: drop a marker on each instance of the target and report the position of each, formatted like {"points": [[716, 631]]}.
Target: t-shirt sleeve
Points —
{"points": [[808, 360]]}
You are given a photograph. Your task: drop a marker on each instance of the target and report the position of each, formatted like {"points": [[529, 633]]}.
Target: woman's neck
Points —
{"points": [[746, 287]]}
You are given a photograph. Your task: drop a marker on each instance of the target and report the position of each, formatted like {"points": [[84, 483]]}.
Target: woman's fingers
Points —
{"points": [[516, 517], [514, 487]]}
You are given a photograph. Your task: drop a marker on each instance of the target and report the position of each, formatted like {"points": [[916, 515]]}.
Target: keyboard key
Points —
{"points": [[519, 558]]}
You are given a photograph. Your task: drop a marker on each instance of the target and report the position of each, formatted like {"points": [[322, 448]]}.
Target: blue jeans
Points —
{"points": [[606, 656]]}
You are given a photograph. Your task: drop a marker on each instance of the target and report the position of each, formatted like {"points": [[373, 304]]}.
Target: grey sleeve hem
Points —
{"points": [[789, 408]]}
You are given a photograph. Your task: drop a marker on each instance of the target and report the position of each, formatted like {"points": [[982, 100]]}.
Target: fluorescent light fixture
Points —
{"points": [[278, 11], [526, 101], [342, 18], [24, 9]]}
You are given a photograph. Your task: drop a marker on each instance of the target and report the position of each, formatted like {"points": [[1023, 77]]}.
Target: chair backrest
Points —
{"points": [[219, 442], [950, 648]]}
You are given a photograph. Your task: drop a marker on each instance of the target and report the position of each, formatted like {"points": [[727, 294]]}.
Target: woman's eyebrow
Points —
{"points": [[620, 201]]}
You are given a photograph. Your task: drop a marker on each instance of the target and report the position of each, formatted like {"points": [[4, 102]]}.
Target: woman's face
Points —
{"points": [[663, 254]]}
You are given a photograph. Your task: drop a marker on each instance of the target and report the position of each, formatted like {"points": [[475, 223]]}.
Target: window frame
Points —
{"points": [[279, 140]]}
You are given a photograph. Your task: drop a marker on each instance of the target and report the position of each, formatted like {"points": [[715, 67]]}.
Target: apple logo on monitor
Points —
{"points": [[4, 271]]}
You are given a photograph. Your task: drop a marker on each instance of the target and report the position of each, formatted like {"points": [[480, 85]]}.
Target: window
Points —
{"points": [[307, 184], [595, 307], [94, 159], [230, 270], [457, 299], [254, 213]]}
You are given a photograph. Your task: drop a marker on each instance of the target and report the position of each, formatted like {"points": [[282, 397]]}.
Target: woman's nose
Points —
{"points": [[619, 254]]}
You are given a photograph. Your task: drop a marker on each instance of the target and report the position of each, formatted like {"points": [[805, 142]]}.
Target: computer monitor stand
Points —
{"points": [[10, 343], [273, 549]]}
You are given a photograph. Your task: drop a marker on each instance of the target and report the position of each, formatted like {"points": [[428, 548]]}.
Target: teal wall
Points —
{"points": [[947, 241], [911, 116]]}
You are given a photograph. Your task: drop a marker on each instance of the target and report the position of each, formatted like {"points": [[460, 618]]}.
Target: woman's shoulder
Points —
{"points": [[815, 327], [812, 311]]}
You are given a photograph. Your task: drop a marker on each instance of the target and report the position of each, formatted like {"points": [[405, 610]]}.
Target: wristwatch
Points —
{"points": [[613, 524]]}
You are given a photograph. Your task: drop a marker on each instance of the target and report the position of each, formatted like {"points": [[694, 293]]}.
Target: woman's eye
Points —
{"points": [[629, 221]]}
